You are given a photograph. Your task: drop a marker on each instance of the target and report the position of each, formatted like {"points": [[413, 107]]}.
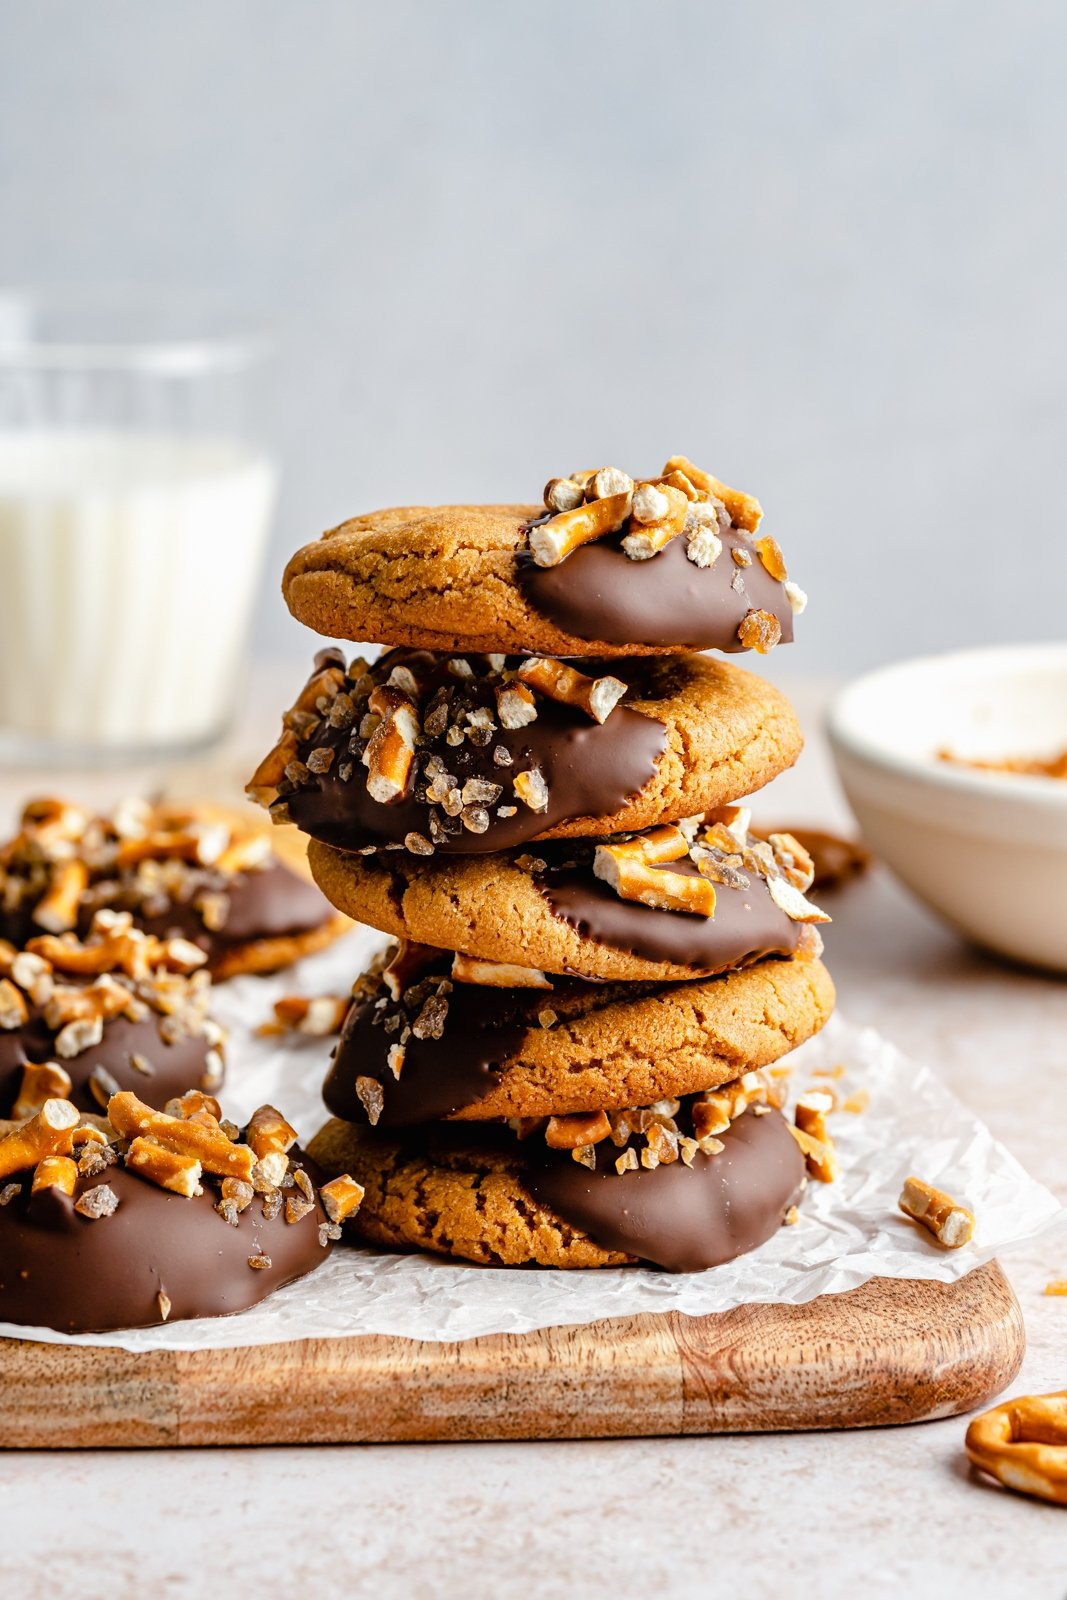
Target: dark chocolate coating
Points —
{"points": [[483, 1028], [678, 1217], [746, 927], [61, 1270], [591, 769], [178, 1066], [598, 593], [271, 903]]}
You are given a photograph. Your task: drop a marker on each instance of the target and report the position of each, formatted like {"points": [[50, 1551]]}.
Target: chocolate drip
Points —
{"points": [[61, 1270], [746, 927], [682, 1218], [178, 1066], [482, 1029], [591, 769], [598, 593]]}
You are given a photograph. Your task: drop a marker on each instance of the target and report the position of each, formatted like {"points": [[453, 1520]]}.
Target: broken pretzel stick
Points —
{"points": [[497, 974], [130, 1117], [552, 541], [651, 536], [745, 510], [598, 697], [630, 869], [49, 1133], [951, 1224]]}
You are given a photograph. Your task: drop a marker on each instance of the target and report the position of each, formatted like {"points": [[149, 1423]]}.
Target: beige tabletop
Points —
{"points": [[889, 1512]]}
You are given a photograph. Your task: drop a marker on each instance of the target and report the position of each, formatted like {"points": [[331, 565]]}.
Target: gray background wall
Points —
{"points": [[821, 248]]}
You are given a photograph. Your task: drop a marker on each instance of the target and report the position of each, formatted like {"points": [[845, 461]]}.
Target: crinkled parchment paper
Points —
{"points": [[848, 1231]]}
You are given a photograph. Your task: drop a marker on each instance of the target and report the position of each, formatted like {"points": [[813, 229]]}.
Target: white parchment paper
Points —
{"points": [[848, 1231]]}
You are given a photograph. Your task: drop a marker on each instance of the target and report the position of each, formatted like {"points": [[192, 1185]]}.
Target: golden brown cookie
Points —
{"points": [[458, 756], [659, 905], [462, 578], [206, 873], [481, 1195], [476, 1053]]}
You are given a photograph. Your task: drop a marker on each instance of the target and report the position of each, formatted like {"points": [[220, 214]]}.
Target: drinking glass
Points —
{"points": [[135, 500]]}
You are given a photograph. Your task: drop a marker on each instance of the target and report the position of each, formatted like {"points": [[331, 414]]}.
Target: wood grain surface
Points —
{"points": [[892, 1351]]}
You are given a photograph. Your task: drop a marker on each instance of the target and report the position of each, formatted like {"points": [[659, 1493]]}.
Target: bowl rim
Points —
{"points": [[849, 738]]}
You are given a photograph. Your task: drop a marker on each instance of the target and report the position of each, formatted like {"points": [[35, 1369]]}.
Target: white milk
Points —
{"points": [[128, 567]]}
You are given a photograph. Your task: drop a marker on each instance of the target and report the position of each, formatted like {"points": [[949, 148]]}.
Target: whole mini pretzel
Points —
{"points": [[1023, 1444]]}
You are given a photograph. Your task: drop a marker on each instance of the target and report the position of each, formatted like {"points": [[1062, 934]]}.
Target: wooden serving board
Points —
{"points": [[892, 1351]]}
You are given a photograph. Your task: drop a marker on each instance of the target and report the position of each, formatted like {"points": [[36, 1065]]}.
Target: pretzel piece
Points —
{"points": [[578, 1131], [629, 868], [552, 541], [268, 1132], [745, 510], [497, 974], [130, 1117], [390, 752], [597, 697], [341, 1197], [55, 1172], [169, 1169], [951, 1224], [41, 1081], [1023, 1444], [57, 910], [46, 1134], [650, 538]]}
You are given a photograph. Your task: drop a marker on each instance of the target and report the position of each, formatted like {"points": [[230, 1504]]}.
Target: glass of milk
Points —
{"points": [[135, 500]]}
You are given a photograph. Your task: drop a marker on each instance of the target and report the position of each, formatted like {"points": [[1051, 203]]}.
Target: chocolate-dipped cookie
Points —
{"points": [[606, 567], [197, 872], [663, 905], [483, 1195], [156, 1218], [461, 756], [421, 1044], [120, 1010]]}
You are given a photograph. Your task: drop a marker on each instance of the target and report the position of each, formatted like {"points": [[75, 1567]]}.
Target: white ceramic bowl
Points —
{"points": [[987, 850]]}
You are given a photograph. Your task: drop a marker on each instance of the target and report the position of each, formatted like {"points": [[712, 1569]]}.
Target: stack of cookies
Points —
{"points": [[564, 1060]]}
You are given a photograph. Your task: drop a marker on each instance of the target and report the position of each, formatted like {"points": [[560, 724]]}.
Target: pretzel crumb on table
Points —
{"points": [[1023, 1444]]}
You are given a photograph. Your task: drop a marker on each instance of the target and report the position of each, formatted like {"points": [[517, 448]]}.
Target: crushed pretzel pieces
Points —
{"points": [[1023, 1444], [638, 868], [951, 1223], [74, 987], [179, 1150], [316, 1015], [1054, 766], [434, 732], [683, 501], [64, 863], [647, 1137]]}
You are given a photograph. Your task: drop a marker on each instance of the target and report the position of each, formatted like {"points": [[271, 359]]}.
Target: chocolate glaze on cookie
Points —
{"points": [[59, 1269], [682, 1218], [483, 1027], [746, 927], [270, 902], [598, 593], [590, 768], [176, 1067]]}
